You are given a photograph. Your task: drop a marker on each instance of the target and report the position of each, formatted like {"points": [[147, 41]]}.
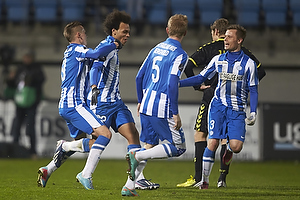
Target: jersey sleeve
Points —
{"points": [[173, 93], [179, 65], [101, 50], [95, 71], [139, 80], [252, 75], [253, 98]]}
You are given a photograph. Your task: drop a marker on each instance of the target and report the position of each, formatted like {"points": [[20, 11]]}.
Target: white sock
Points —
{"points": [[94, 156], [91, 163], [138, 173], [207, 167], [139, 170], [51, 167], [156, 152], [73, 146], [130, 184]]}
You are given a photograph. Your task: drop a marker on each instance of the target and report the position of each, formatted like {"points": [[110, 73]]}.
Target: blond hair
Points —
{"points": [[71, 29], [177, 25]]}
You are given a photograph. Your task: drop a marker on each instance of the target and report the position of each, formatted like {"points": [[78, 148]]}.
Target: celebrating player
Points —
{"points": [[72, 106], [200, 59], [157, 91], [104, 97], [237, 76]]}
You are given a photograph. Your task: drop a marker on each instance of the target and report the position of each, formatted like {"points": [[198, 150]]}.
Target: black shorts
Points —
{"points": [[201, 120]]}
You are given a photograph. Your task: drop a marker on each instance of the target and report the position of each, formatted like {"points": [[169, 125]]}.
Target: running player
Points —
{"points": [[200, 59], [237, 76], [105, 98], [72, 106]]}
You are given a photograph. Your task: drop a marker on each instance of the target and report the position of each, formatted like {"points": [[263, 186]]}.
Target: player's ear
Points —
{"points": [[240, 41], [114, 32], [217, 32]]}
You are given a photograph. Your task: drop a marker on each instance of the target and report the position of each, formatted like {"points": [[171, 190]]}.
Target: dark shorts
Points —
{"points": [[201, 120]]}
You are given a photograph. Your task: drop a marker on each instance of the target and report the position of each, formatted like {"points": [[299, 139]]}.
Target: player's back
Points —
{"points": [[164, 59]]}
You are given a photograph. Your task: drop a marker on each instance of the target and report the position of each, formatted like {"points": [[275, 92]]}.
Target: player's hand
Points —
{"points": [[203, 87], [251, 119], [178, 123], [120, 45], [95, 93]]}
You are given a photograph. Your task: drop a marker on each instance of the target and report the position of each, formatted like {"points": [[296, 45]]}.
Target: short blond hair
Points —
{"points": [[71, 29], [177, 25]]}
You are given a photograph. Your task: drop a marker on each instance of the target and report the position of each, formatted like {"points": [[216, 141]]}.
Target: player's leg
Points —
{"points": [[85, 120], [200, 145], [165, 129], [129, 131], [63, 151], [123, 122], [103, 138], [141, 181], [150, 139], [224, 169], [236, 136], [208, 161], [217, 124]]}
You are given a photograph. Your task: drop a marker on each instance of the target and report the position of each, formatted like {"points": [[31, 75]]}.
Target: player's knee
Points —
{"points": [[236, 148], [200, 136], [102, 130], [173, 151]]}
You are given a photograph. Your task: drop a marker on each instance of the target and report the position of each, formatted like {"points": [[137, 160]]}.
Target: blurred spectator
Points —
{"points": [[27, 80]]}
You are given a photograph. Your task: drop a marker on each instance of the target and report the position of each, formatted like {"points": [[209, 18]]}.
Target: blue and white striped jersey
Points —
{"points": [[157, 89], [234, 79], [76, 64], [105, 74]]}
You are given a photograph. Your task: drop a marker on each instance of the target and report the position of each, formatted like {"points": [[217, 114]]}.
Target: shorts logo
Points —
{"points": [[199, 118], [102, 118]]}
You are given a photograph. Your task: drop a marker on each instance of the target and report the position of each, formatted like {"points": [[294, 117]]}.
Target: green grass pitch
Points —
{"points": [[246, 180]]}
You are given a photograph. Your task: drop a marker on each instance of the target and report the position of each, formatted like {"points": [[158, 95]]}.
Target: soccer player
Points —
{"points": [[73, 108], [157, 91], [237, 77], [104, 97], [201, 58]]}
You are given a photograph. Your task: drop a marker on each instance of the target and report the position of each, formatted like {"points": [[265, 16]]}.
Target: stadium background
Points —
{"points": [[273, 40]]}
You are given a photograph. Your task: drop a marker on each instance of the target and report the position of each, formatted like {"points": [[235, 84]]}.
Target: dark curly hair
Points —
{"points": [[113, 20]]}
